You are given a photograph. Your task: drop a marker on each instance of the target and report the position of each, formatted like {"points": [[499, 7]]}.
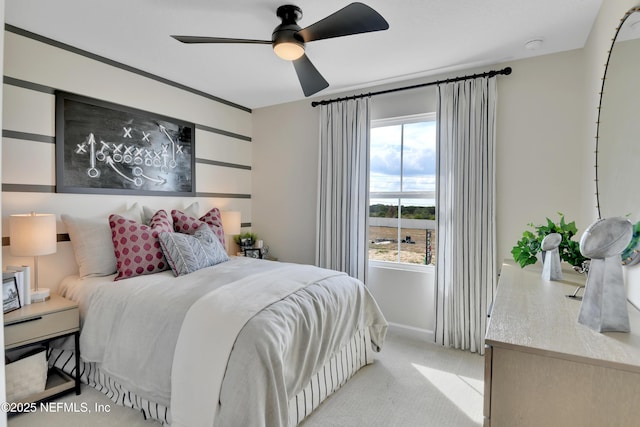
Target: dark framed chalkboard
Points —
{"points": [[108, 148]]}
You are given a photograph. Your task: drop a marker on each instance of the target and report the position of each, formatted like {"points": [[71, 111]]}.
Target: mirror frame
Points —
{"points": [[631, 255], [604, 80]]}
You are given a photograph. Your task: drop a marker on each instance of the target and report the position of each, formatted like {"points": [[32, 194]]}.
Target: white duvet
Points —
{"points": [[263, 353]]}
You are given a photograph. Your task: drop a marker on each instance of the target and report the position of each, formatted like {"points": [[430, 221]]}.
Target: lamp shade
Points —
{"points": [[32, 234], [231, 222]]}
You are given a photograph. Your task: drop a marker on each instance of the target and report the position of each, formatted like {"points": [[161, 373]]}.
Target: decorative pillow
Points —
{"points": [[92, 244], [188, 253], [161, 221], [147, 212], [136, 246], [184, 223]]}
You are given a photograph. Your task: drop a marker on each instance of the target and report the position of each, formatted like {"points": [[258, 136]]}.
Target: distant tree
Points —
{"points": [[408, 212]]}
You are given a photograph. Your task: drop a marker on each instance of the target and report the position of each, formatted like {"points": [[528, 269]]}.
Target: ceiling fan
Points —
{"points": [[288, 39]]}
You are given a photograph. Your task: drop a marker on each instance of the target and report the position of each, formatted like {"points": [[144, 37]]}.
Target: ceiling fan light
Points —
{"points": [[289, 51]]}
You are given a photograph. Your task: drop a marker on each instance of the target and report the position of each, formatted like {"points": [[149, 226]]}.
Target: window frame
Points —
{"points": [[399, 195]]}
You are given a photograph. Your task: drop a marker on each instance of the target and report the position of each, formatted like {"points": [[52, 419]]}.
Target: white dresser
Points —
{"points": [[543, 368]]}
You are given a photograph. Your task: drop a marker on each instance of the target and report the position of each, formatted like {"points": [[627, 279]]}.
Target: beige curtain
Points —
{"points": [[343, 201], [466, 261]]}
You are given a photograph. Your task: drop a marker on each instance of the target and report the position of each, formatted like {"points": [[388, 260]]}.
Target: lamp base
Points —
{"points": [[40, 295]]}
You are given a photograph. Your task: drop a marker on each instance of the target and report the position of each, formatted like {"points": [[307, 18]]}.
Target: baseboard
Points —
{"points": [[413, 332]]}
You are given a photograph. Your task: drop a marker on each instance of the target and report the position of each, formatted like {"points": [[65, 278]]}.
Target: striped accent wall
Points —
{"points": [[35, 67]]}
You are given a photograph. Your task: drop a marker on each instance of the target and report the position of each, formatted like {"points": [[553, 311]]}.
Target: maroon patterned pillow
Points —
{"points": [[161, 220], [187, 224], [136, 245]]}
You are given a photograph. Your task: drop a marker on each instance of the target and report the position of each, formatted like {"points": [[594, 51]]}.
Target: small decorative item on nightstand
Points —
{"points": [[10, 297], [253, 252]]}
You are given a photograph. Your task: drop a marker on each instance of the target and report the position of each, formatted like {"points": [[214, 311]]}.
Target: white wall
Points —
{"points": [[541, 145], [285, 180], [540, 166], [29, 162]]}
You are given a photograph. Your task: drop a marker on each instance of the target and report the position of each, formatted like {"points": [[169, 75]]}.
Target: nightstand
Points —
{"points": [[39, 323]]}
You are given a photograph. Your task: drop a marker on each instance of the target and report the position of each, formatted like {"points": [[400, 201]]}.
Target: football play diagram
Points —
{"points": [[137, 157], [108, 148]]}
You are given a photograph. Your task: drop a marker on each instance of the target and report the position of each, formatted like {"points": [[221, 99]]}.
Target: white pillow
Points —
{"points": [[147, 213], [92, 244]]}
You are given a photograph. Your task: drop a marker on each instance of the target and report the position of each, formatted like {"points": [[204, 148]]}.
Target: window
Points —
{"points": [[402, 185]]}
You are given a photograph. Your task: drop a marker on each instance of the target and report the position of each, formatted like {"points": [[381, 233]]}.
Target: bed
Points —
{"points": [[241, 342]]}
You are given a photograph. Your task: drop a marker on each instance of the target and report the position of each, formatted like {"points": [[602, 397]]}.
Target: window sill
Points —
{"points": [[402, 266]]}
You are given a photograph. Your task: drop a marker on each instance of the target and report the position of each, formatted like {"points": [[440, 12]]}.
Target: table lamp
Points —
{"points": [[33, 235], [231, 222]]}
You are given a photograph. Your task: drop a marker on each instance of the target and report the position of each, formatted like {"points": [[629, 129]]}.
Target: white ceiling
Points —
{"points": [[425, 37]]}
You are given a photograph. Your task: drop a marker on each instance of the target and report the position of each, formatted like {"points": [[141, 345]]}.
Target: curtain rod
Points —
{"points": [[505, 71]]}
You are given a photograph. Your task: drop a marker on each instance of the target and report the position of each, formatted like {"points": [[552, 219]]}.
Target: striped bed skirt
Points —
{"points": [[355, 354]]}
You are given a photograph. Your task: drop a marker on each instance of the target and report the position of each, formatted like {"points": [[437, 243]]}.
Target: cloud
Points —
{"points": [[419, 157]]}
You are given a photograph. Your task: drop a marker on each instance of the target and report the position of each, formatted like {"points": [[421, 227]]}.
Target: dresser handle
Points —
{"points": [[26, 320]]}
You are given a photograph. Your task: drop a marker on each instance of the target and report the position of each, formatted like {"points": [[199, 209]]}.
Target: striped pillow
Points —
{"points": [[187, 253]]}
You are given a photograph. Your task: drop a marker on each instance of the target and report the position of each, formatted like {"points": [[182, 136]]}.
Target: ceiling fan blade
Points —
{"points": [[355, 18], [196, 39], [310, 78]]}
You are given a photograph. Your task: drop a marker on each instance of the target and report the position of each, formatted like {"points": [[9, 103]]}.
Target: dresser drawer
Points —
{"points": [[42, 327]]}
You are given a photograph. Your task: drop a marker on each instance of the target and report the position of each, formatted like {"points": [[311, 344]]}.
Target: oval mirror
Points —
{"points": [[618, 134]]}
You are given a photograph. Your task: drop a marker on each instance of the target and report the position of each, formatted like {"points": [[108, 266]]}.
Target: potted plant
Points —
{"points": [[246, 239], [526, 250]]}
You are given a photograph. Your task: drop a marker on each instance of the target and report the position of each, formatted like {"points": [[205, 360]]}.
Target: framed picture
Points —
{"points": [[108, 148], [10, 297], [253, 253]]}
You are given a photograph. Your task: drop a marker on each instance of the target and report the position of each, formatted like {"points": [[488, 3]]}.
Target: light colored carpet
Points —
{"points": [[411, 384]]}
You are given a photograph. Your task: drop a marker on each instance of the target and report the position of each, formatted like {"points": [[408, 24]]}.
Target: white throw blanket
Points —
{"points": [[200, 360]]}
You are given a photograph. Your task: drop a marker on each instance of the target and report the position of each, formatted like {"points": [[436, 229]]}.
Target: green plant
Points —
{"points": [[629, 252], [251, 237], [525, 251]]}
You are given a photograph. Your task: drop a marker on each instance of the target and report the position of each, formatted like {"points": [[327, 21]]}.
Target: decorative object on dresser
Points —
{"points": [[551, 269], [604, 305], [33, 235], [525, 252]]}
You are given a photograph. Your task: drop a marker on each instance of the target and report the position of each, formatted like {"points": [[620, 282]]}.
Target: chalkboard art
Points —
{"points": [[112, 149]]}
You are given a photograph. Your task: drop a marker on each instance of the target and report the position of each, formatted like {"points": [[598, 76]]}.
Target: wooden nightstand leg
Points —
{"points": [[77, 352]]}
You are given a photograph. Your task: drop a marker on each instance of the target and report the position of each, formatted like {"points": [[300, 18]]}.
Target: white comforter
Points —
{"points": [[131, 328]]}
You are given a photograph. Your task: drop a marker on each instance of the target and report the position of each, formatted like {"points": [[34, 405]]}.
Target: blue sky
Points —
{"points": [[419, 157]]}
